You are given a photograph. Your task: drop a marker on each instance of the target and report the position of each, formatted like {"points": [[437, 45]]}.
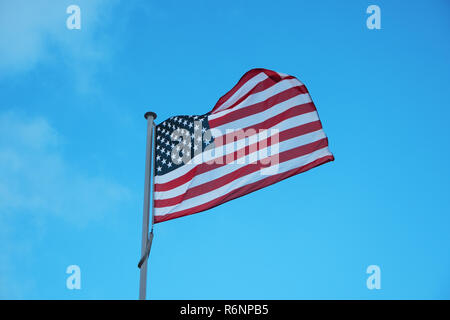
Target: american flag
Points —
{"points": [[262, 131]]}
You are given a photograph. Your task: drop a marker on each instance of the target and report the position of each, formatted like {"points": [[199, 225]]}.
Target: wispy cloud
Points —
{"points": [[35, 32], [37, 183], [35, 177]]}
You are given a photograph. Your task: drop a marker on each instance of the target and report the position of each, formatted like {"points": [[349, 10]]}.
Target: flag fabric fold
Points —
{"points": [[264, 130]]}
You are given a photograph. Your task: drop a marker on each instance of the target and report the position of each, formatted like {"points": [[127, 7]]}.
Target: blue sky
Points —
{"points": [[72, 148]]}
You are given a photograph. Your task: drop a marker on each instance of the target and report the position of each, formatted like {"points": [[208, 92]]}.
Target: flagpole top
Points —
{"points": [[150, 113]]}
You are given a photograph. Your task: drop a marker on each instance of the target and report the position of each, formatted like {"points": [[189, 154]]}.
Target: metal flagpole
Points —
{"points": [[146, 237]]}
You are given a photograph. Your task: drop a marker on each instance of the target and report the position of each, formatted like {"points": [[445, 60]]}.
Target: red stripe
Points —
{"points": [[283, 136], [245, 170], [271, 122], [258, 107], [205, 167], [177, 181], [246, 77], [266, 84], [244, 190]]}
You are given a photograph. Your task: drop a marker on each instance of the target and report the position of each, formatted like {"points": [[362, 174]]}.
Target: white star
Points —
{"points": [[169, 164], [158, 157], [159, 168]]}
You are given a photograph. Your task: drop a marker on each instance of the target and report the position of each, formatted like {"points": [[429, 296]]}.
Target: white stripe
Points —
{"points": [[200, 179], [260, 96], [242, 181], [256, 118], [283, 125], [250, 84]]}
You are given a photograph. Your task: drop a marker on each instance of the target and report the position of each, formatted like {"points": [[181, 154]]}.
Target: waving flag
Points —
{"points": [[262, 131]]}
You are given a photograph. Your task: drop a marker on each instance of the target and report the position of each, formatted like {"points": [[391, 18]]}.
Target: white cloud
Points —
{"points": [[34, 32], [36, 179], [38, 183]]}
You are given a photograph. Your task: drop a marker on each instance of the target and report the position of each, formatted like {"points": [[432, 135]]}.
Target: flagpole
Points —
{"points": [[146, 237]]}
